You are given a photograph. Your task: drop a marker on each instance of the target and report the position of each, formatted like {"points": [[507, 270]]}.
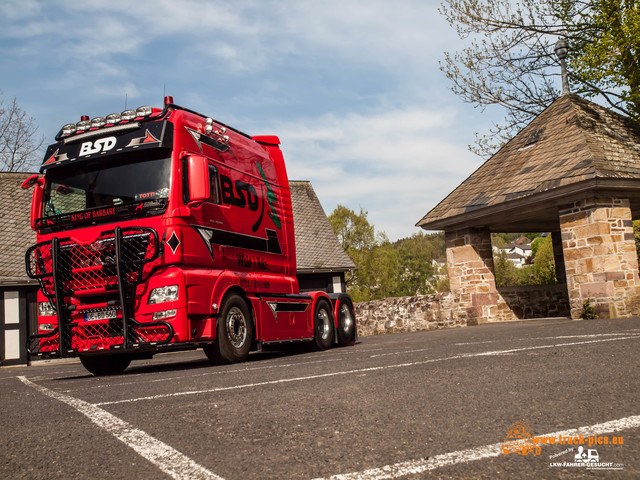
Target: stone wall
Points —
{"points": [[537, 301], [408, 314], [430, 312]]}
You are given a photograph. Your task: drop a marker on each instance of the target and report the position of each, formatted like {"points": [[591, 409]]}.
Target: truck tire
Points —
{"points": [[323, 325], [101, 365], [234, 333], [346, 323]]}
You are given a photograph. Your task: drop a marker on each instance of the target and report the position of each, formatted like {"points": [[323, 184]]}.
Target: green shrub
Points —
{"points": [[588, 312]]}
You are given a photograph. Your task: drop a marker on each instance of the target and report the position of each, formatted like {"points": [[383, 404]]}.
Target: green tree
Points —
{"points": [[359, 240], [417, 274], [384, 269], [353, 229], [506, 273], [544, 267], [510, 59]]}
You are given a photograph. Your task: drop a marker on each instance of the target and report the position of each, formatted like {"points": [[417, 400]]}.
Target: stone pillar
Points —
{"points": [[471, 277], [600, 256]]}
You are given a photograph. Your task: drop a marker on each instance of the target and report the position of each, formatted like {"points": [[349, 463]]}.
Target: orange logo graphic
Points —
{"points": [[519, 441]]}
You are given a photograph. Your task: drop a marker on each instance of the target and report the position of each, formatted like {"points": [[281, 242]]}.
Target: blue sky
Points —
{"points": [[352, 88]]}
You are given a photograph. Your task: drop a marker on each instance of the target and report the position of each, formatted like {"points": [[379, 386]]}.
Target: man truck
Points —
{"points": [[162, 229]]}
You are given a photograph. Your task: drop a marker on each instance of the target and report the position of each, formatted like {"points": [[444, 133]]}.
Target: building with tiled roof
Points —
{"points": [[317, 247], [15, 208], [573, 171]]}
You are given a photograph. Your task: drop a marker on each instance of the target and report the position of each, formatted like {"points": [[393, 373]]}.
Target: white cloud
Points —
{"points": [[396, 164]]}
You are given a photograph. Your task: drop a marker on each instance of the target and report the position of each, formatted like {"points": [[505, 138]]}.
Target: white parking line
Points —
{"points": [[600, 335], [487, 451], [166, 458], [361, 370]]}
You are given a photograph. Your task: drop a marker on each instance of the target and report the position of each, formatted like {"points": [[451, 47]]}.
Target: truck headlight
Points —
{"points": [[164, 314], [163, 294], [46, 310]]}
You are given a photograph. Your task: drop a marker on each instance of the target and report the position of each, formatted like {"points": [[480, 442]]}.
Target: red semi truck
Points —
{"points": [[164, 229]]}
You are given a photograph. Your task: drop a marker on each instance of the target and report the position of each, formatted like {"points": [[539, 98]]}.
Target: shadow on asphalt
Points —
{"points": [[165, 365]]}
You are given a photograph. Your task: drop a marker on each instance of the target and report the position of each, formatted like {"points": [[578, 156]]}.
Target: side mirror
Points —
{"points": [[36, 199], [198, 173], [36, 204]]}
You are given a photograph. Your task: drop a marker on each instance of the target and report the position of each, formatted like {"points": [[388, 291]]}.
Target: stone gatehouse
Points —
{"points": [[573, 171]]}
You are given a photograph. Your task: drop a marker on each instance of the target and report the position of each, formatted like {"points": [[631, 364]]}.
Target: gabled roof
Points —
{"points": [[15, 230], [317, 247], [573, 145]]}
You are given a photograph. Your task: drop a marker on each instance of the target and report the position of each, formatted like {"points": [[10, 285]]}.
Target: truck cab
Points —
{"points": [[163, 229]]}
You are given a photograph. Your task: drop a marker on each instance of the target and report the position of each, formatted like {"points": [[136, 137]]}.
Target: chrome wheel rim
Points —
{"points": [[347, 318], [236, 327], [322, 324]]}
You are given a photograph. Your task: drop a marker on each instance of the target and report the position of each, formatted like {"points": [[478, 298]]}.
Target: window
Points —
{"points": [[214, 189], [93, 184]]}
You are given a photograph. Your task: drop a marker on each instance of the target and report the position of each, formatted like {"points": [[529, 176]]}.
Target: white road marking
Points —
{"points": [[600, 335], [361, 370], [166, 458], [479, 453], [247, 369]]}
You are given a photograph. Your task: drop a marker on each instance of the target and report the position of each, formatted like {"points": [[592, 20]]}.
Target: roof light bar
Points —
{"points": [[112, 119]]}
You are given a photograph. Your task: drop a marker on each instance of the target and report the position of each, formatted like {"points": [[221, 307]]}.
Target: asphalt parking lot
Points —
{"points": [[439, 403]]}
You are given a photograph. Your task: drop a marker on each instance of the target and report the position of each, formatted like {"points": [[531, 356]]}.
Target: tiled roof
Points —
{"points": [[15, 229], [317, 247], [570, 142]]}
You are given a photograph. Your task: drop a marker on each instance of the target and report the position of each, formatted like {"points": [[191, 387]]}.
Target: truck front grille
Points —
{"points": [[91, 268]]}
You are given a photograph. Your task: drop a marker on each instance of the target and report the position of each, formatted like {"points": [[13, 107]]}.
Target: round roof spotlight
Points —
{"points": [[144, 111], [83, 125], [113, 118], [208, 128], [129, 115], [561, 48], [98, 122], [69, 129]]}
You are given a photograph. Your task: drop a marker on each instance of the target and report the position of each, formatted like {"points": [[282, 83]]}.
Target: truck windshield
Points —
{"points": [[86, 185]]}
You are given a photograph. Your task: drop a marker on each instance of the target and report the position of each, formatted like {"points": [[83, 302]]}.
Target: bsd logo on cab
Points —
{"points": [[100, 145]]}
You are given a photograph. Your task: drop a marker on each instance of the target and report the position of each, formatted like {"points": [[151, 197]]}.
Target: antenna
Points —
{"points": [[125, 101]]}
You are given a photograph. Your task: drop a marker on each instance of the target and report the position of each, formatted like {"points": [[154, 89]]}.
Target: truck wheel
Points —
{"points": [[323, 325], [346, 323], [101, 365], [234, 334]]}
